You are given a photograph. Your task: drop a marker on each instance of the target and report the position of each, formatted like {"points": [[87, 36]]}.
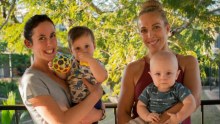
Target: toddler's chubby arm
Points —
{"points": [[188, 107], [145, 114], [98, 70]]}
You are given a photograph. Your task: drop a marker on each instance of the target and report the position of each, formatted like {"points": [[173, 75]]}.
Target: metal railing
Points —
{"points": [[22, 107], [108, 106], [208, 102]]}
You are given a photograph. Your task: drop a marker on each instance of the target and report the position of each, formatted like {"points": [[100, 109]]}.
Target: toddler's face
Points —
{"points": [[164, 74], [84, 44]]}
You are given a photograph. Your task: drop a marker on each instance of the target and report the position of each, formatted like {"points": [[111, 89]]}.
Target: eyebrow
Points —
{"points": [[45, 35], [52, 33], [156, 24], [42, 35], [152, 25]]}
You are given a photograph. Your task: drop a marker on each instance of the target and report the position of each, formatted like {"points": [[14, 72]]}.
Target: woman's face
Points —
{"points": [[153, 31], [44, 43]]}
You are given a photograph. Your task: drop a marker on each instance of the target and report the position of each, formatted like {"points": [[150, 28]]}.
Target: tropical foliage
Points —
{"points": [[114, 23], [7, 115]]}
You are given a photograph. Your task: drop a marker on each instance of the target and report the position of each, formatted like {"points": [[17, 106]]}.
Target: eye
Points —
{"points": [[169, 73], [143, 31], [86, 46], [42, 38], [77, 48], [156, 27], [157, 74]]}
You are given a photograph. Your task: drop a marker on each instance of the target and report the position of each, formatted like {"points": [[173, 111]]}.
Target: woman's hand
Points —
{"points": [[50, 65], [95, 89], [172, 120]]}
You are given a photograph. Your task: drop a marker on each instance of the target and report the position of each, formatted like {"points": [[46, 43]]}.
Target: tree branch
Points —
{"points": [[9, 13], [15, 19], [94, 7], [215, 10], [4, 12], [186, 24]]}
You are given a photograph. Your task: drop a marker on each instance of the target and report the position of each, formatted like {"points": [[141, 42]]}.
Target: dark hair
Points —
{"points": [[153, 6], [78, 31], [32, 23]]}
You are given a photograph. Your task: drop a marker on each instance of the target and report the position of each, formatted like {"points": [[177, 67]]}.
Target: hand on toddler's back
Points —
{"points": [[50, 65], [93, 89]]}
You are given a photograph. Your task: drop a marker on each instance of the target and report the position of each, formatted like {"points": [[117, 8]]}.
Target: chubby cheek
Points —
{"points": [[91, 53], [156, 84], [156, 81]]}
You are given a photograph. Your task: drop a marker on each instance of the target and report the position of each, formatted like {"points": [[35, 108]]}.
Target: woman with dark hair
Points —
{"points": [[46, 96]]}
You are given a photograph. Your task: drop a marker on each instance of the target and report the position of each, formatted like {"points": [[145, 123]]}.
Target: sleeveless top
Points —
{"points": [[145, 80]]}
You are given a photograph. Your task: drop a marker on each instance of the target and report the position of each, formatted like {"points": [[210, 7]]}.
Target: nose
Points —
{"points": [[50, 41], [163, 76], [84, 50], [149, 34]]}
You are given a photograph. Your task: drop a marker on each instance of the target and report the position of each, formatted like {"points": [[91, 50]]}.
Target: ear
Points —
{"points": [[168, 28], [27, 43], [70, 50], [177, 74], [150, 73]]}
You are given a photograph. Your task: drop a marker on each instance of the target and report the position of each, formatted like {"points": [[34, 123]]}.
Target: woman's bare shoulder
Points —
{"points": [[136, 65], [186, 60]]}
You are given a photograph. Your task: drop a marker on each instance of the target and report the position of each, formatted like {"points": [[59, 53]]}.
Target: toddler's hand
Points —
{"points": [[153, 118], [84, 57]]}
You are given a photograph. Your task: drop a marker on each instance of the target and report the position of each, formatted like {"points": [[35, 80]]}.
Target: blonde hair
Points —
{"points": [[153, 6]]}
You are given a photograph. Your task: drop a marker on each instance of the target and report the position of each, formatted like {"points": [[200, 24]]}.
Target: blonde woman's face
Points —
{"points": [[153, 31]]}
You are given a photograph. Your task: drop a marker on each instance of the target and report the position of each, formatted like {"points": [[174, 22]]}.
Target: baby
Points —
{"points": [[82, 45], [164, 92]]}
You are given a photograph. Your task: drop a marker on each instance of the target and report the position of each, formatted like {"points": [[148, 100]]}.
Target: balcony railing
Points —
{"points": [[108, 106]]}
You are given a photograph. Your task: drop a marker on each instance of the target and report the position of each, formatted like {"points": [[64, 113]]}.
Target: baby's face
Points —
{"points": [[84, 44], [164, 74]]}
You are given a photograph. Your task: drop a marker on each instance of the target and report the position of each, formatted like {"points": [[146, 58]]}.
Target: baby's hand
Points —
{"points": [[84, 57], [153, 118]]}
